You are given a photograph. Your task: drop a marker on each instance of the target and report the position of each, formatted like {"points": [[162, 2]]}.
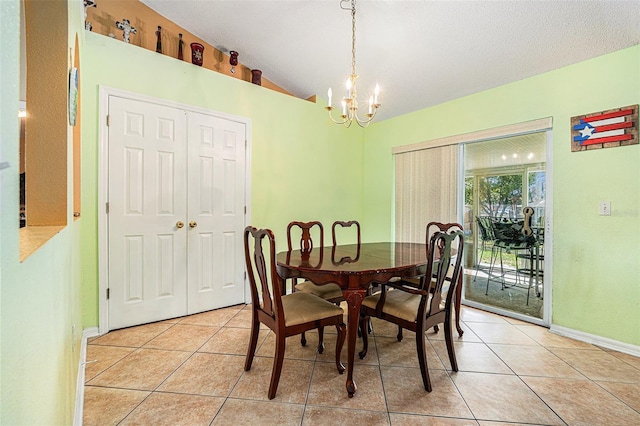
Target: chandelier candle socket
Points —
{"points": [[349, 102]]}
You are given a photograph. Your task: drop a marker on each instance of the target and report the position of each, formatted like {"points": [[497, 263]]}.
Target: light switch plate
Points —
{"points": [[605, 208]]}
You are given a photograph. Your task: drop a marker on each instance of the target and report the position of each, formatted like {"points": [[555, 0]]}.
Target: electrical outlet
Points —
{"points": [[605, 208]]}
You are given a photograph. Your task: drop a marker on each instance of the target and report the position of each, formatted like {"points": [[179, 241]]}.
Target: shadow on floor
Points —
{"points": [[512, 298]]}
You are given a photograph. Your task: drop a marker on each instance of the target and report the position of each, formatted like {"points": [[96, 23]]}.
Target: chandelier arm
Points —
{"points": [[344, 117], [365, 122]]}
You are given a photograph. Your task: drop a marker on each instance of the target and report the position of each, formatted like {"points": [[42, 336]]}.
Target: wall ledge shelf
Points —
{"points": [[34, 237]]}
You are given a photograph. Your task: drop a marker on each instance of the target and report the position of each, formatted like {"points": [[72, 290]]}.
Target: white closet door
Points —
{"points": [[216, 181], [147, 199]]}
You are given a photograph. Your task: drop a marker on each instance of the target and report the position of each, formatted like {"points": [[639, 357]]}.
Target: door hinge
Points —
{"points": [[107, 207], [108, 120], [108, 293], [245, 209]]}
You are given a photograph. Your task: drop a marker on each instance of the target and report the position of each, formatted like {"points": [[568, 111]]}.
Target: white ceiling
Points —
{"points": [[421, 52], [506, 152]]}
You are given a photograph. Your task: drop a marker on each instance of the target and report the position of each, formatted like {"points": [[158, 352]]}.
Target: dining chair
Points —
{"points": [[329, 292], [285, 314], [418, 308], [335, 231], [433, 227]]}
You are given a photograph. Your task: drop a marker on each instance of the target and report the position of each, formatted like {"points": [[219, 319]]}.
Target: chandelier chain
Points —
{"points": [[353, 37]]}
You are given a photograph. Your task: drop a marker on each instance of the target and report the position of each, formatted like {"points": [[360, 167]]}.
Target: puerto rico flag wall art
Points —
{"points": [[605, 129]]}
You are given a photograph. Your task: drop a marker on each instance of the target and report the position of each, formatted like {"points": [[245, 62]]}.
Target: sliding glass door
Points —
{"points": [[504, 262]]}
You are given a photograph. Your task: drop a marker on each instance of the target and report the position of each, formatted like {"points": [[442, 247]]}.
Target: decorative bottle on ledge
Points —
{"points": [[197, 53], [159, 39], [180, 43], [256, 77], [233, 60]]}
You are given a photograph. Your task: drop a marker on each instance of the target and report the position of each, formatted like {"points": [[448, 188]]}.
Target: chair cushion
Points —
{"points": [[398, 303], [509, 235], [326, 292], [301, 307]]}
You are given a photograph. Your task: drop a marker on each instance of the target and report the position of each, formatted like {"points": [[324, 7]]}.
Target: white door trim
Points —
{"points": [[103, 182]]}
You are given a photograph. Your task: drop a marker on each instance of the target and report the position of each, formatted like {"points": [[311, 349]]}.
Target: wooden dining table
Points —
{"points": [[355, 268]]}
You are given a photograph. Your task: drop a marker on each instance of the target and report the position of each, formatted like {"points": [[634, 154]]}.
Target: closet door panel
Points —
{"points": [[216, 211], [147, 199]]}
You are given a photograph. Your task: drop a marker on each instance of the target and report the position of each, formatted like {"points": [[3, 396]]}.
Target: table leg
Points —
{"points": [[354, 301], [458, 301]]}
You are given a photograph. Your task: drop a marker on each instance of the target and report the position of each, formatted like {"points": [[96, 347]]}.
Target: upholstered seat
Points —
{"points": [[398, 303], [304, 307], [326, 292]]}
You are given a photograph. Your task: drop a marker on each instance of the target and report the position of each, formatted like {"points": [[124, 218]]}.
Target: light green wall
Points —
{"points": [[40, 297], [596, 259], [296, 150], [303, 166]]}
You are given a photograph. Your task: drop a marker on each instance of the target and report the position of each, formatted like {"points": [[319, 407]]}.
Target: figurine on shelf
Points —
{"points": [[180, 43], [159, 39], [88, 4], [197, 53], [233, 60], [126, 28]]}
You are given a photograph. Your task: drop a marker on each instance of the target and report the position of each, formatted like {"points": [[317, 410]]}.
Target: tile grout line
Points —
{"points": [[432, 342]]}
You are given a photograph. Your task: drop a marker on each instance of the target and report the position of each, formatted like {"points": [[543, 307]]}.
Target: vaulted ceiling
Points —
{"points": [[421, 52]]}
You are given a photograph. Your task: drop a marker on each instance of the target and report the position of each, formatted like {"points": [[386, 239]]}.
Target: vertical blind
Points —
{"points": [[425, 190]]}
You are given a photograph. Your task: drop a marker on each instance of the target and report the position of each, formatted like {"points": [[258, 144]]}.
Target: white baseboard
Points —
{"points": [[86, 333], [597, 340]]}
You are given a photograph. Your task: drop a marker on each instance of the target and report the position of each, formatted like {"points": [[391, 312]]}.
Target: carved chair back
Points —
{"points": [[345, 224], [263, 277], [307, 231]]}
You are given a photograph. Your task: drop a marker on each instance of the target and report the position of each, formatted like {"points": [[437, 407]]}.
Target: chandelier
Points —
{"points": [[349, 103]]}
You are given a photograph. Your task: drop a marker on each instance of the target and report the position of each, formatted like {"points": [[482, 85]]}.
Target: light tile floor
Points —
{"points": [[190, 371]]}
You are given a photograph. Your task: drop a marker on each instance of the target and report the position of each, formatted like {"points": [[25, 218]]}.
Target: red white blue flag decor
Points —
{"points": [[606, 129]]}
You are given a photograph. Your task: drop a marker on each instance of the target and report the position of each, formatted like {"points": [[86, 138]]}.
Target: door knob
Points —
{"points": [[179, 224], [192, 224]]}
